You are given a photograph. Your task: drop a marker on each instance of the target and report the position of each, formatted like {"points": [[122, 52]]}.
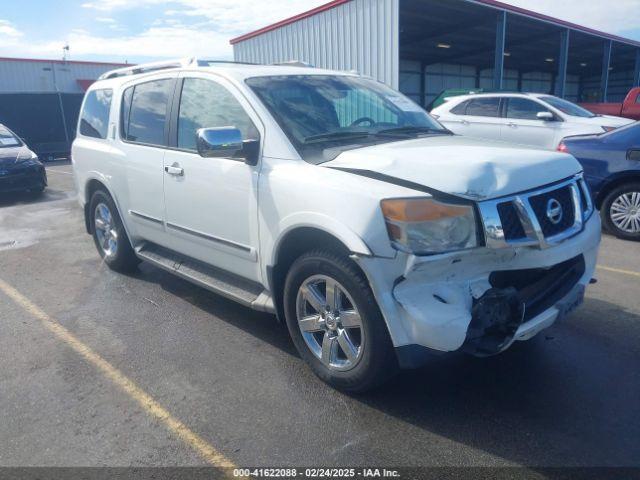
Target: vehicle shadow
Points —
{"points": [[569, 397], [261, 325], [30, 198]]}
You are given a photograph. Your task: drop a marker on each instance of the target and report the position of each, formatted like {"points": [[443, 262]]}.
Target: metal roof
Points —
{"points": [[487, 3]]}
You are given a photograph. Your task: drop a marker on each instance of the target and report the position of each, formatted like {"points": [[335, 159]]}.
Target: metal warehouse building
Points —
{"points": [[40, 99], [422, 47]]}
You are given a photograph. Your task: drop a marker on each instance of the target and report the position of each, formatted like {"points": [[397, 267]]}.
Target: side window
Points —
{"points": [[484, 107], [638, 98], [94, 120], [523, 109], [148, 112], [207, 104], [460, 109]]}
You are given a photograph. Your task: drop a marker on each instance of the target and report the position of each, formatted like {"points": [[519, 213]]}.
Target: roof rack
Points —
{"points": [[148, 67], [293, 63]]}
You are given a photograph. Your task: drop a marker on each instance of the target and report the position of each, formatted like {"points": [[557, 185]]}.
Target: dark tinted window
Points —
{"points": [[207, 104], [94, 120], [460, 109], [148, 112], [484, 107], [524, 109]]}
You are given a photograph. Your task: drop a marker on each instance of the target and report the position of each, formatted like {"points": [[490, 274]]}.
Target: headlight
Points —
{"points": [[426, 226], [28, 156]]}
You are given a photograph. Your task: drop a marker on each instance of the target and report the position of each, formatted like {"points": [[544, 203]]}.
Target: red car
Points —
{"points": [[630, 108]]}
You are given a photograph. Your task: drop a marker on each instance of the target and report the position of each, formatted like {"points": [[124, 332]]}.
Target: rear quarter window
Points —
{"points": [[94, 119], [460, 109]]}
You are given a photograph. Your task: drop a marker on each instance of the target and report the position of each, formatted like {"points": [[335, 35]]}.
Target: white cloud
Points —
{"points": [[8, 31], [177, 28], [159, 42]]}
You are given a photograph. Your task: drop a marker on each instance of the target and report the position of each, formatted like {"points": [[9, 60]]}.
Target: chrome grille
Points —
{"points": [[541, 218]]}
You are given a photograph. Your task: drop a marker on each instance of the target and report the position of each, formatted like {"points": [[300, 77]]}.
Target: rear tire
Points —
{"points": [[109, 234], [621, 211], [348, 345]]}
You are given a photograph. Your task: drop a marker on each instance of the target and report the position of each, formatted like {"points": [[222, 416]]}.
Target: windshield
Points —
{"points": [[324, 115], [8, 139], [567, 107]]}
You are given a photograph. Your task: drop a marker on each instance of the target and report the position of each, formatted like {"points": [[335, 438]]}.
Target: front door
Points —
{"points": [[211, 203], [523, 126]]}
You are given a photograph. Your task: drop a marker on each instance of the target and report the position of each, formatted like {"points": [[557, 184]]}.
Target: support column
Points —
{"points": [[606, 63], [636, 71], [563, 58], [423, 89], [498, 68]]}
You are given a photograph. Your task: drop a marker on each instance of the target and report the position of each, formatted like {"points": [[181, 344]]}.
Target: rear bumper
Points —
{"points": [[429, 304], [28, 178]]}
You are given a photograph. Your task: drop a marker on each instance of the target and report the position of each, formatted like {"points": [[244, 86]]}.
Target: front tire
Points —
{"points": [[109, 234], [335, 322], [621, 212]]}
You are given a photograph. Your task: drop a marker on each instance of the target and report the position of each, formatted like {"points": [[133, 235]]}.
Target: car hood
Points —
{"points": [[9, 155], [456, 165]]}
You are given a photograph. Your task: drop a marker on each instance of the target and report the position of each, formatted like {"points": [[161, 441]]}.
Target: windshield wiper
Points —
{"points": [[323, 137], [409, 129]]}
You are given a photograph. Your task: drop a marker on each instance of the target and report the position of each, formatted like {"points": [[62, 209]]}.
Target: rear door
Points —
{"points": [[522, 125], [144, 117], [482, 117]]}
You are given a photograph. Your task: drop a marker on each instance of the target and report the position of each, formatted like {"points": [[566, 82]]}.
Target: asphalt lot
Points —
{"points": [[569, 397]]}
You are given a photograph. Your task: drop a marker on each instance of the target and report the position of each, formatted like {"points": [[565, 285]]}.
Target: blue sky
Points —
{"points": [[141, 30]]}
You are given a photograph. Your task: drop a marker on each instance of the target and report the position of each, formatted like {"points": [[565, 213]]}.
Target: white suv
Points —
{"points": [[336, 203], [538, 120]]}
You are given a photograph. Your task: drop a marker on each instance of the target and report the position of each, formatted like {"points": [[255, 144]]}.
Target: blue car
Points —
{"points": [[611, 163]]}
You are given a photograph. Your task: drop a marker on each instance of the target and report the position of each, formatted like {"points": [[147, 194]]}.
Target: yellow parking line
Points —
{"points": [[148, 403], [618, 270]]}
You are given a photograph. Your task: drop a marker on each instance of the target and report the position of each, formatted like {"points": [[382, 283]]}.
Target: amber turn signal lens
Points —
{"points": [[420, 210]]}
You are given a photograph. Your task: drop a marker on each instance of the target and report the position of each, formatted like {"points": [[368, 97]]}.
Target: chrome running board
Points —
{"points": [[221, 282]]}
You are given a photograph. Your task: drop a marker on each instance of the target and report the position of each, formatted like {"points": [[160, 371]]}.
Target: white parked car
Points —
{"points": [[538, 120], [336, 203]]}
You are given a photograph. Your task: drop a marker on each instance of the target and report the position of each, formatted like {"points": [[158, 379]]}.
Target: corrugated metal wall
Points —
{"points": [[361, 35], [20, 76]]}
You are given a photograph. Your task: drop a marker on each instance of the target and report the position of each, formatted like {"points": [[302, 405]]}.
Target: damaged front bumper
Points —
{"points": [[483, 300]]}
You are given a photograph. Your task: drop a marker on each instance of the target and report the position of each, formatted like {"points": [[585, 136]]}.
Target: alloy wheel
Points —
{"points": [[625, 212], [330, 322], [105, 230]]}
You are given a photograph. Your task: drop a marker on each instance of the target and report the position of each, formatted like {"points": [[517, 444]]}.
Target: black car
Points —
{"points": [[20, 169], [611, 163]]}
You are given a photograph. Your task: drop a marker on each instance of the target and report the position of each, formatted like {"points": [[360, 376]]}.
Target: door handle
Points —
{"points": [[174, 169], [512, 125], [465, 122]]}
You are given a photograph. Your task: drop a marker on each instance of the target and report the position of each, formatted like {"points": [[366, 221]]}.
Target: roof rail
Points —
{"points": [[208, 63], [147, 67], [294, 63]]}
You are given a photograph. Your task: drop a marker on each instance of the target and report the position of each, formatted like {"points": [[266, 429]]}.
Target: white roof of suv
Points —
{"points": [[237, 70]]}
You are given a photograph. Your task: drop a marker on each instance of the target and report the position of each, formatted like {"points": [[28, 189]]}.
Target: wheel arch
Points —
{"points": [[92, 185], [615, 182], [296, 241]]}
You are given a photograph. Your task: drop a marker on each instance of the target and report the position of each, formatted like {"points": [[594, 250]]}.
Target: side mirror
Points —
{"points": [[226, 142], [218, 142], [545, 116], [633, 154]]}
